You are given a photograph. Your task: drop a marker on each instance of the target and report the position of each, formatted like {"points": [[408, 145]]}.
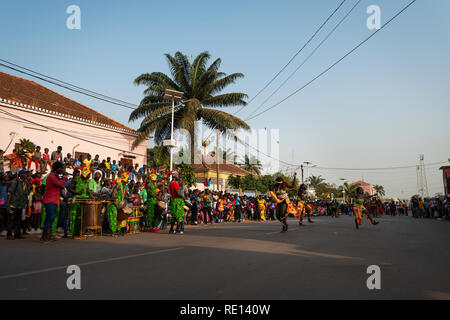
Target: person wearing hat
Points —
{"points": [[54, 183], [280, 196], [79, 189], [118, 194], [17, 200], [152, 220], [302, 206]]}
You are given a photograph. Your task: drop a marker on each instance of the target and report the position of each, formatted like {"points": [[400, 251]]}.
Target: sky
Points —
{"points": [[383, 106]]}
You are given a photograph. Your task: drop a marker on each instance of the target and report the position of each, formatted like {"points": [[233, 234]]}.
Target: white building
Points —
{"points": [[31, 111]]}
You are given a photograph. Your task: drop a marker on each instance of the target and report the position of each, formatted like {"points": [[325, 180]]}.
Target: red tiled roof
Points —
{"points": [[362, 183], [31, 93], [210, 165]]}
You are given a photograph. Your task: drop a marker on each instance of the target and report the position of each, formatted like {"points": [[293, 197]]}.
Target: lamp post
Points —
{"points": [[174, 96], [343, 190]]}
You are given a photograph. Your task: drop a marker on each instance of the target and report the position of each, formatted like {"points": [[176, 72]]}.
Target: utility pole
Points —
{"points": [[301, 167], [174, 96]]}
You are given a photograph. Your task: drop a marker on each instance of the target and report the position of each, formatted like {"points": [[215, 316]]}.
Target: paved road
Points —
{"points": [[324, 260]]}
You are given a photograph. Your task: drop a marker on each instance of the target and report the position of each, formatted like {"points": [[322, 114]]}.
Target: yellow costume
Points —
{"points": [[262, 208]]}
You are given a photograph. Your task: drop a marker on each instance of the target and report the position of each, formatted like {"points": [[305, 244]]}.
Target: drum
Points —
{"points": [[161, 205], [92, 216], [133, 220]]}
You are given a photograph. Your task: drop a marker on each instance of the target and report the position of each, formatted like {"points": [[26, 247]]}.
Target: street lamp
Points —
{"points": [[174, 96], [343, 190], [308, 163]]}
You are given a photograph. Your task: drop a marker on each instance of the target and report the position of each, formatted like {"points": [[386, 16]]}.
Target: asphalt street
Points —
{"points": [[324, 260]]}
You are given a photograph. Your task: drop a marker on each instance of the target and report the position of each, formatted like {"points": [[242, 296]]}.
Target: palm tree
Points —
{"points": [[350, 190], [315, 181], [380, 190], [25, 146], [157, 156], [201, 86], [252, 165]]}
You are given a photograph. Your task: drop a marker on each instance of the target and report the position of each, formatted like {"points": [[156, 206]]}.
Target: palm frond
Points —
{"points": [[226, 100], [216, 119], [215, 65], [222, 83], [199, 66], [145, 109]]}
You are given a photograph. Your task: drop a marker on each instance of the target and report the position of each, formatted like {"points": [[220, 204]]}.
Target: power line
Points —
{"points": [[295, 55], [86, 92], [67, 134], [334, 64], [307, 58]]}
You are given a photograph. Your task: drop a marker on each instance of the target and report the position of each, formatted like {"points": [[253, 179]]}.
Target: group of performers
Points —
{"points": [[302, 209]]}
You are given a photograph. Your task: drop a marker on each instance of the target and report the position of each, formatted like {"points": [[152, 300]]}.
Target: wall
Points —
{"points": [[51, 139]]}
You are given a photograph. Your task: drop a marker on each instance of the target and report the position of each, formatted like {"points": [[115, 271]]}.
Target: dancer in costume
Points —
{"points": [[262, 208], [302, 204], [79, 190], [177, 203], [359, 209], [112, 209], [279, 194], [152, 219]]}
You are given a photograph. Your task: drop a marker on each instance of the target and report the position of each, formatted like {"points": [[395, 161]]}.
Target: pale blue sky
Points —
{"points": [[392, 92]]}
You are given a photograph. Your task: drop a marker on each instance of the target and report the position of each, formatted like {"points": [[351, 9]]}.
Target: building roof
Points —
{"points": [[362, 183], [209, 164], [30, 93]]}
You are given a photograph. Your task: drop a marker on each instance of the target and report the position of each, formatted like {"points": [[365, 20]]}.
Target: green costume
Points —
{"points": [[111, 209], [75, 208], [150, 207], [177, 209]]}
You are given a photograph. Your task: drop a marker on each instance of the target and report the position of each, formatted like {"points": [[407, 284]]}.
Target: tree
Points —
{"points": [[252, 165], [380, 190], [158, 156], [315, 181], [25, 146], [201, 86], [350, 190], [235, 181], [187, 174]]}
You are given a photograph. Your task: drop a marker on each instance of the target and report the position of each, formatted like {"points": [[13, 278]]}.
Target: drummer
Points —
{"points": [[152, 219], [79, 190], [177, 204], [118, 194]]}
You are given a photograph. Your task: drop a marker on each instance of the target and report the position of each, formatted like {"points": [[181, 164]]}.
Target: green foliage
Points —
{"points": [[380, 190], [25, 147], [158, 156], [200, 85], [252, 165], [187, 174], [315, 181], [324, 190], [235, 181], [350, 190]]}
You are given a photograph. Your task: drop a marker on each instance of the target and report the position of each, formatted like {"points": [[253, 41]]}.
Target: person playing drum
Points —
{"points": [[118, 195], [79, 190], [152, 219]]}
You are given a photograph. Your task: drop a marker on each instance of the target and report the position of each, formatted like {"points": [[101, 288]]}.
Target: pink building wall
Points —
{"points": [[94, 133]]}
